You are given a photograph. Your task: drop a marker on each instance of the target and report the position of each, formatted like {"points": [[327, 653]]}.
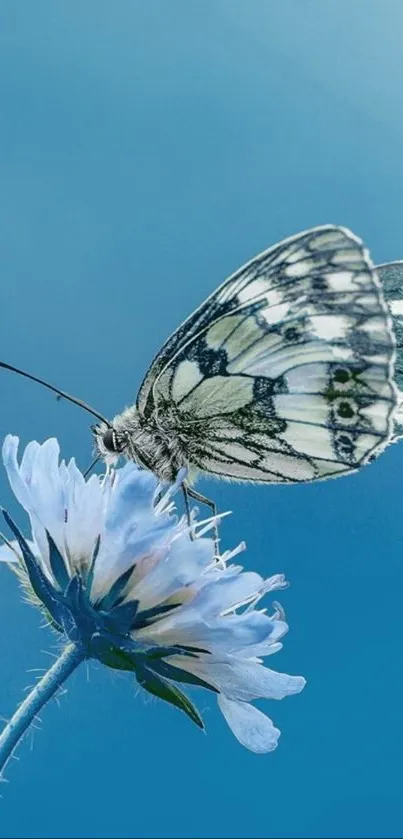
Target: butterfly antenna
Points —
{"points": [[90, 468], [60, 393]]}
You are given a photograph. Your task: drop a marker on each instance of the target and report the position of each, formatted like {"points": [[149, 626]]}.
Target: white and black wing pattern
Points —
{"points": [[391, 277], [286, 372]]}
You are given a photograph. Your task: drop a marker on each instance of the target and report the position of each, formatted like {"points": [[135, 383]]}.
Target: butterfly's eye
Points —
{"points": [[111, 442]]}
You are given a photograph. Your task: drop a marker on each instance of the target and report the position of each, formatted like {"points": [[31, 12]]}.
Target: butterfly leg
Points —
{"points": [[189, 492], [187, 506]]}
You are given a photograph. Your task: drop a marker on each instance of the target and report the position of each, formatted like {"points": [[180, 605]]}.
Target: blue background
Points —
{"points": [[146, 150]]}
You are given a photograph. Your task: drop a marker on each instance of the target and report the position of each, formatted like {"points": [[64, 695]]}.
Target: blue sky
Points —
{"points": [[147, 150]]}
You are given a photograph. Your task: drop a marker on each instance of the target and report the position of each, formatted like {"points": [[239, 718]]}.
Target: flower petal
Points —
{"points": [[17, 483], [182, 564], [85, 514], [253, 729], [243, 679], [133, 531], [28, 460], [141, 549], [268, 647], [38, 488], [132, 496], [226, 593], [221, 636]]}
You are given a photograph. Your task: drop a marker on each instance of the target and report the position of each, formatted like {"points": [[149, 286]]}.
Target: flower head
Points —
{"points": [[123, 578]]}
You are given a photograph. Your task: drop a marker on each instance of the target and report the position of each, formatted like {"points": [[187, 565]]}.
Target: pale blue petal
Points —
{"points": [[181, 566], [132, 496], [21, 488], [188, 558], [220, 637], [132, 544], [118, 553], [211, 574], [280, 628], [38, 487], [84, 504], [226, 593], [132, 529], [18, 485], [253, 729], [28, 461], [173, 630], [261, 650], [238, 631], [244, 679], [47, 491]]}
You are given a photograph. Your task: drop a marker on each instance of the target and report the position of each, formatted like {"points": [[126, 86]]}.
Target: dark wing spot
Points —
{"points": [[264, 387], [345, 410], [291, 334], [211, 362], [259, 417], [344, 446], [341, 374], [319, 283]]}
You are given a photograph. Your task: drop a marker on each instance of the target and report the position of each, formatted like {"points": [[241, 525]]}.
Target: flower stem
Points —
{"points": [[69, 659]]}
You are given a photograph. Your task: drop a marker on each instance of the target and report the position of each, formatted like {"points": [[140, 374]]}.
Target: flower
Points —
{"points": [[127, 582]]}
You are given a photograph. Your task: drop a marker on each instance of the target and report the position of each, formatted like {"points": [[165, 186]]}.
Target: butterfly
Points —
{"points": [[285, 374]]}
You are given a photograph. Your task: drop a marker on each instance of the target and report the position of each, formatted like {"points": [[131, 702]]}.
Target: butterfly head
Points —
{"points": [[109, 441]]}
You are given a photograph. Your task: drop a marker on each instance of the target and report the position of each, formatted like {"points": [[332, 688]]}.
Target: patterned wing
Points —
{"points": [[391, 277], [286, 372]]}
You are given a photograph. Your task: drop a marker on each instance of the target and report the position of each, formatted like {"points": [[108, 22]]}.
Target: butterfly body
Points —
{"points": [[284, 374], [153, 445]]}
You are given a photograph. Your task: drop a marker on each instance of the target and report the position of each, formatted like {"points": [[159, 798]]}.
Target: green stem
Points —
{"points": [[70, 658]]}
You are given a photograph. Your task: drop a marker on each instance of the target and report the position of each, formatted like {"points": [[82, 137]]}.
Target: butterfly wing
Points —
{"points": [[391, 277], [286, 372]]}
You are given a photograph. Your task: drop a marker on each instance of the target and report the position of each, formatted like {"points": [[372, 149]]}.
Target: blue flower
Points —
{"points": [[126, 582]]}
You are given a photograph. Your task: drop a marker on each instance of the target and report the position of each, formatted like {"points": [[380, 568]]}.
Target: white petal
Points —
{"points": [[234, 632], [260, 650], [27, 462], [133, 532], [266, 647], [220, 637], [226, 593], [18, 485], [253, 729], [84, 503], [48, 498], [21, 484], [243, 679], [131, 497], [38, 487], [142, 550], [182, 565]]}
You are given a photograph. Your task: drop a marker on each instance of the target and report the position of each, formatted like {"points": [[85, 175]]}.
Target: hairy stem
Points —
{"points": [[69, 659]]}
